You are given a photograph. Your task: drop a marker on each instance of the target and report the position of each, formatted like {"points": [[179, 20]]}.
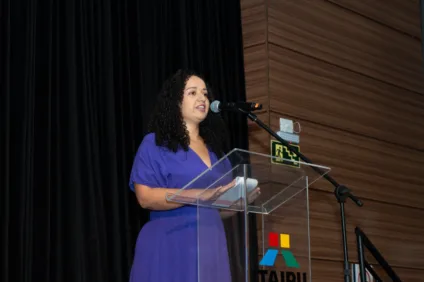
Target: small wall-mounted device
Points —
{"points": [[287, 131]]}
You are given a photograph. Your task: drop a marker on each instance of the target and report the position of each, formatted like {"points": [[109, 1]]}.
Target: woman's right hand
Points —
{"points": [[214, 193]]}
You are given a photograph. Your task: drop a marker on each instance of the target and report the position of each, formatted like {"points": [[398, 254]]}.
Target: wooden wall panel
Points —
{"points": [[390, 228], [329, 271], [374, 169], [258, 140], [326, 31], [401, 15], [409, 274], [351, 73], [332, 271], [253, 22], [256, 73], [396, 231], [307, 88]]}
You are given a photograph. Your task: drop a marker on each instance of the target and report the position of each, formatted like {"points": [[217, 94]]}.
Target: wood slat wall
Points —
{"points": [[351, 73]]}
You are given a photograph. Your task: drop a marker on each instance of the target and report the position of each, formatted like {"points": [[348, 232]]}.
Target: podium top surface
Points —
{"points": [[241, 176]]}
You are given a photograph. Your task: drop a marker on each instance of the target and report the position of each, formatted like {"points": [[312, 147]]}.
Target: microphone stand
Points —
{"points": [[341, 192]]}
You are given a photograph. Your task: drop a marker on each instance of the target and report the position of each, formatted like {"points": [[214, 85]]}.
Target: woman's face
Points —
{"points": [[195, 104]]}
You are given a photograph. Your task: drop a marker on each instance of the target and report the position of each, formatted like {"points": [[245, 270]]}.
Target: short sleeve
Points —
{"points": [[148, 168]]}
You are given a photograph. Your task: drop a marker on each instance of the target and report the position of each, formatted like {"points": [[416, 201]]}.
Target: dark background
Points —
{"points": [[78, 80]]}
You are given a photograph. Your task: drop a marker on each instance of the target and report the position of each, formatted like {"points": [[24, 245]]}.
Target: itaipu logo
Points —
{"points": [[279, 242]]}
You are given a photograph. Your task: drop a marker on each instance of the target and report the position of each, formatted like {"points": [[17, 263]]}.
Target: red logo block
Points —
{"points": [[273, 240]]}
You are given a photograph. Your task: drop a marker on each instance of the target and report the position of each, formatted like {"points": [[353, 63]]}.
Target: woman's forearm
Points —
{"points": [[156, 198]]}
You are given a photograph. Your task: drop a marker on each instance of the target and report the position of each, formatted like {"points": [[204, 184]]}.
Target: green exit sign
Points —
{"points": [[282, 155]]}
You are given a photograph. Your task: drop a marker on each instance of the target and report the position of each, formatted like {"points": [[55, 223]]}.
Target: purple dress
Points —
{"points": [[167, 246]]}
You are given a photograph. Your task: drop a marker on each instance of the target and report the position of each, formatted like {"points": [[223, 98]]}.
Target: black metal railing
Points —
{"points": [[364, 242]]}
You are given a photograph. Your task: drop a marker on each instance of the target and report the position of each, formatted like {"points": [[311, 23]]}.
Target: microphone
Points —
{"points": [[217, 106]]}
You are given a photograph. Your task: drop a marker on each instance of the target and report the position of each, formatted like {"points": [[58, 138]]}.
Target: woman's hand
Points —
{"points": [[214, 193]]}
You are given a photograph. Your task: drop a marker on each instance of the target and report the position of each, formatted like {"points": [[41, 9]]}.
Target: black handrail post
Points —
{"points": [[361, 257], [366, 242]]}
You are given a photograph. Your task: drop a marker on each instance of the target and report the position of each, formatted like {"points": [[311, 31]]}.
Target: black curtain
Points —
{"points": [[78, 79]]}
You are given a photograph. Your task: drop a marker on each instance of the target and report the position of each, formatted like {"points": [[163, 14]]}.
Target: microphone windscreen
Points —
{"points": [[215, 106]]}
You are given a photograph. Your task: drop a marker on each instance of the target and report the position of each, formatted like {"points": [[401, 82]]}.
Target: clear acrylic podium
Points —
{"points": [[281, 210]]}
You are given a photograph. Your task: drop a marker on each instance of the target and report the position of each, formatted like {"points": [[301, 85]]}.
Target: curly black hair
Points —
{"points": [[167, 121]]}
